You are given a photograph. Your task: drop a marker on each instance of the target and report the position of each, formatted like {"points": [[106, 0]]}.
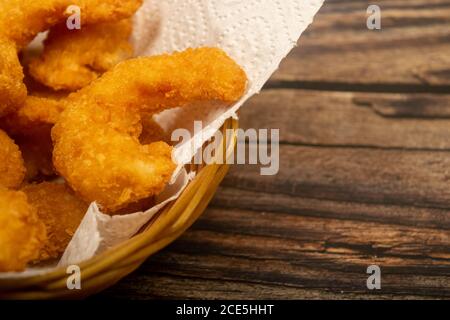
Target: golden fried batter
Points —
{"points": [[96, 141], [152, 131], [101, 158], [74, 58], [37, 148], [22, 20], [104, 11], [12, 89], [36, 111], [22, 234], [41, 108], [61, 212], [153, 84], [12, 170], [30, 127]]}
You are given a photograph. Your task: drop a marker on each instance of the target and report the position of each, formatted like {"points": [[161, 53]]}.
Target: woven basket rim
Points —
{"points": [[107, 268]]}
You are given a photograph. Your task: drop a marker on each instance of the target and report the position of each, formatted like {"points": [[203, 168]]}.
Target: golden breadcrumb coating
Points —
{"points": [[152, 131], [22, 234], [96, 139], [74, 58], [153, 84], [12, 169], [41, 107], [12, 90], [37, 148], [36, 111], [105, 11], [30, 126], [60, 211], [100, 156], [22, 20]]}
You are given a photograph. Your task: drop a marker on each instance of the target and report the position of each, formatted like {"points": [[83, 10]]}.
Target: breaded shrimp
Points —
{"points": [[100, 156], [105, 11], [37, 148], [22, 234], [36, 111], [74, 58], [60, 211], [153, 84], [41, 107], [152, 131], [12, 90], [22, 20], [12, 170], [96, 141], [30, 128]]}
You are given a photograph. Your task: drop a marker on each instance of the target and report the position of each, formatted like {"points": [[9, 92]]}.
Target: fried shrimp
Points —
{"points": [[36, 111], [12, 89], [60, 211], [152, 131], [41, 107], [22, 20], [153, 84], [96, 139], [74, 58], [22, 234], [12, 169], [30, 126], [37, 148]]}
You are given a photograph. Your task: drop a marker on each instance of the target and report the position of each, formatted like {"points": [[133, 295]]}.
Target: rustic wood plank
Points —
{"points": [[296, 256], [311, 231], [410, 51], [347, 174], [410, 121], [282, 236], [233, 198], [150, 284]]}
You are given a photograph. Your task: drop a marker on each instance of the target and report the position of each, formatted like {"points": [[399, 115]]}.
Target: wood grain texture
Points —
{"points": [[311, 232], [271, 254], [355, 174], [407, 121], [410, 52], [364, 118]]}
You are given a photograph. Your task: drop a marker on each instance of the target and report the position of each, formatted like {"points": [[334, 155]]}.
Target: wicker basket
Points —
{"points": [[106, 269]]}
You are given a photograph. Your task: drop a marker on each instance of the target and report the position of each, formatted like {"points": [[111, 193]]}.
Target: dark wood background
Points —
{"points": [[364, 177]]}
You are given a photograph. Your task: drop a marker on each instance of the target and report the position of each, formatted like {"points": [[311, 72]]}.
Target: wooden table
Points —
{"points": [[364, 177]]}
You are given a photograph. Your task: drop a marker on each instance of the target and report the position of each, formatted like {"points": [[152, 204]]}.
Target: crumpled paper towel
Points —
{"points": [[258, 34]]}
